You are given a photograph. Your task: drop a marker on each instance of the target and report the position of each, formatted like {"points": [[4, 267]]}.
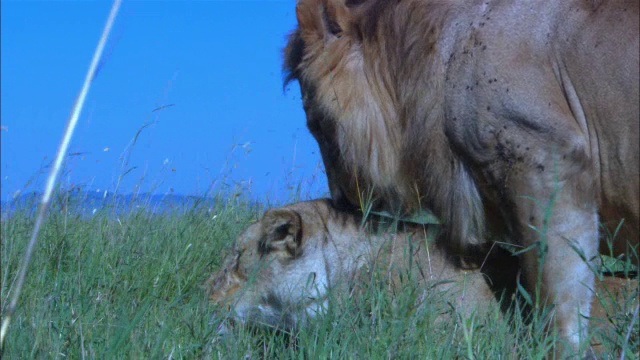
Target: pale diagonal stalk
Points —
{"points": [[55, 171]]}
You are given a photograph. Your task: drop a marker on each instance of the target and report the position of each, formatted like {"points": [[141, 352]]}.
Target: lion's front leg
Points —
{"points": [[557, 221]]}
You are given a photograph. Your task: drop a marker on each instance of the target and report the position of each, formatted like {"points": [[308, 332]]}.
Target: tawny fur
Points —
{"points": [[516, 121]]}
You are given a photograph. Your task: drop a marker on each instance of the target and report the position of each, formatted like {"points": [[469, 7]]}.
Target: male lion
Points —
{"points": [[282, 268], [510, 120]]}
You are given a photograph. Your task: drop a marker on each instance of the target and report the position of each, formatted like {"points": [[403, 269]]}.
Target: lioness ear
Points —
{"points": [[283, 229], [318, 20]]}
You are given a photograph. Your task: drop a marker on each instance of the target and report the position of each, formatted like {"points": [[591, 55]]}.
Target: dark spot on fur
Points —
{"points": [[273, 300], [263, 248], [333, 27], [540, 167], [488, 108], [532, 219]]}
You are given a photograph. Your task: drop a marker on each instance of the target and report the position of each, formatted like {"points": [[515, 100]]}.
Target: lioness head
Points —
{"points": [[281, 267]]}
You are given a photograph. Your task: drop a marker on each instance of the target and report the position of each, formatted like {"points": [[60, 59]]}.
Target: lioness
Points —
{"points": [[282, 267], [510, 120]]}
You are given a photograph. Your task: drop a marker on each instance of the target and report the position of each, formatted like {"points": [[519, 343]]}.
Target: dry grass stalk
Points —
{"points": [[55, 170]]}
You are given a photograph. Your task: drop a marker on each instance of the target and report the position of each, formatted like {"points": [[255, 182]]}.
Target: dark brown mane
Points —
{"points": [[369, 14], [293, 53], [412, 25], [407, 32]]}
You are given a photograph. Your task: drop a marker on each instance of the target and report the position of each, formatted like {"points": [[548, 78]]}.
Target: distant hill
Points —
{"points": [[88, 203]]}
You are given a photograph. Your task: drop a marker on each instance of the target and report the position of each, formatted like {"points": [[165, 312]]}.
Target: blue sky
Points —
{"points": [[217, 63]]}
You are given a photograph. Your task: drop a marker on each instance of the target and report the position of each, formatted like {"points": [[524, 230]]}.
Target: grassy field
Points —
{"points": [[127, 284]]}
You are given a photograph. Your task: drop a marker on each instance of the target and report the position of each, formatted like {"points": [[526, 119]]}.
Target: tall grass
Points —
{"points": [[116, 286], [127, 284]]}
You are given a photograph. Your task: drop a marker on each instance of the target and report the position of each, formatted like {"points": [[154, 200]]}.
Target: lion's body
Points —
{"points": [[516, 120]]}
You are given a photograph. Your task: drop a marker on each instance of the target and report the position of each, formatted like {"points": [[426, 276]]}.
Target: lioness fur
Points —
{"points": [[510, 120], [283, 267]]}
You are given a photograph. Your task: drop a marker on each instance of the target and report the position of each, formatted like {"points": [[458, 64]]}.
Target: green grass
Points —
{"points": [[129, 286], [116, 287]]}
